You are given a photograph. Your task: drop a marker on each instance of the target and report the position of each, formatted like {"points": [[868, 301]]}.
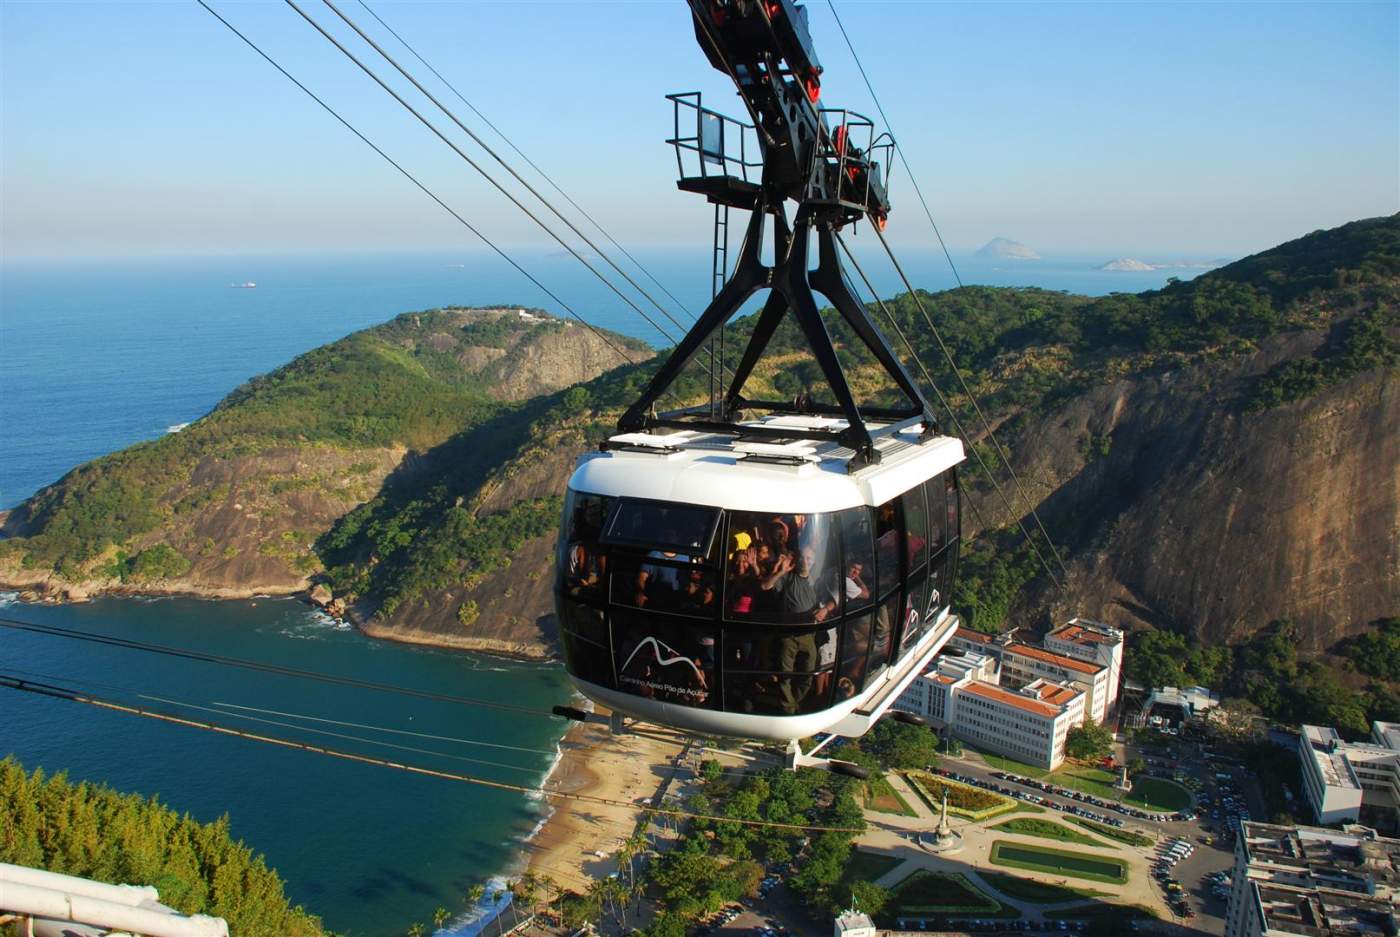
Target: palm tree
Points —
{"points": [[440, 917], [474, 895], [415, 931]]}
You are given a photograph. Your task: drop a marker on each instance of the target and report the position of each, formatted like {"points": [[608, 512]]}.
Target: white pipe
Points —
{"points": [[82, 909], [130, 895]]}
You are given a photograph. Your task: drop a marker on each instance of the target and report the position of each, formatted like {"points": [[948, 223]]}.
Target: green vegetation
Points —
{"points": [[1026, 889], [1159, 794], [1113, 832], [1045, 829], [1011, 765], [869, 866], [1059, 862], [714, 860], [1375, 652], [943, 894], [880, 796], [1113, 913], [94, 832], [1090, 741], [898, 746], [1355, 346], [969, 802]]}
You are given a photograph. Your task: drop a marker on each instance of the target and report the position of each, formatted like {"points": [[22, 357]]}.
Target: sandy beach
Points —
{"points": [[630, 768]]}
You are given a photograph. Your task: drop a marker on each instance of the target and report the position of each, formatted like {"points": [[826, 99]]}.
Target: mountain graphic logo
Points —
{"points": [[660, 651]]}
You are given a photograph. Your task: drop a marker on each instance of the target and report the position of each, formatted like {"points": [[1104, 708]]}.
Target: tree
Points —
{"points": [[415, 931], [869, 897], [440, 917], [1089, 741], [1136, 766], [711, 770], [901, 745]]}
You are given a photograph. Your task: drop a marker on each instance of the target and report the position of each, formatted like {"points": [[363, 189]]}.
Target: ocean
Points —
{"points": [[100, 355]]}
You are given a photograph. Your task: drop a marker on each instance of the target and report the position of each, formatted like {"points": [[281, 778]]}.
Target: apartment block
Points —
{"points": [[1092, 642], [1341, 777], [1312, 881], [1023, 663]]}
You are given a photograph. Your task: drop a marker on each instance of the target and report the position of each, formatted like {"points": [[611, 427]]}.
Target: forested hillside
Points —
{"points": [[94, 832], [234, 502], [1210, 457]]}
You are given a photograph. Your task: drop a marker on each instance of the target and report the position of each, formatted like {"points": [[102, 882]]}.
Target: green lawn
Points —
{"points": [[1046, 829], [1002, 763], [1113, 832], [1025, 889], [1059, 862], [1110, 912], [868, 866], [880, 796], [942, 894], [1158, 794]]}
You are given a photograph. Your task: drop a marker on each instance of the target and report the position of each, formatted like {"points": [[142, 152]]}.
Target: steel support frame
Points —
{"points": [[792, 285]]}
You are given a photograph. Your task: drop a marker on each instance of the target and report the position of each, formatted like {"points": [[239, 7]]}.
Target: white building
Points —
{"points": [[1314, 882], [1024, 663], [854, 923], [1339, 777], [1095, 643], [1028, 723]]}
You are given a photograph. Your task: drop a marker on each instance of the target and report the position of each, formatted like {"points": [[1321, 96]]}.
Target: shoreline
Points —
{"points": [[576, 843], [42, 588]]}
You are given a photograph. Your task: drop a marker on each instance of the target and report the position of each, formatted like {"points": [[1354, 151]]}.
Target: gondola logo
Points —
{"points": [[657, 649]]}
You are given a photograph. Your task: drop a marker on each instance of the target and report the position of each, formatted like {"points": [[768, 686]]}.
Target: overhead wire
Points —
{"points": [[531, 163], [505, 165], [414, 179], [10, 681], [986, 426], [16, 624], [481, 170]]}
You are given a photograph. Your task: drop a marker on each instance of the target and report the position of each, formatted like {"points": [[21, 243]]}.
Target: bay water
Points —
{"points": [[102, 354]]}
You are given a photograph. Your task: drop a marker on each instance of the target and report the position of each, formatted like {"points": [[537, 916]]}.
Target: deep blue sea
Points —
{"points": [[99, 355]]}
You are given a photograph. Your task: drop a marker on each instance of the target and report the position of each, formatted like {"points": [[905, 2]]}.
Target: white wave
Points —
{"points": [[176, 427], [8, 598], [475, 921]]}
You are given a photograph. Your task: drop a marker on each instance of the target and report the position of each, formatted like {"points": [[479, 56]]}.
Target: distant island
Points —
{"points": [[1127, 264], [1131, 265], [1007, 249]]}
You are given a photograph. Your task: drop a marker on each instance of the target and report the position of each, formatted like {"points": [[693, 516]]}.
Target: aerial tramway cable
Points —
{"points": [[528, 161], [904, 160], [426, 191], [952, 414], [497, 157], [15, 624], [475, 165], [986, 426], [9, 681]]}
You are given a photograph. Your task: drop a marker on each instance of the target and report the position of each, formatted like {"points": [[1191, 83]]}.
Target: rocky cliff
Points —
{"points": [[1208, 457]]}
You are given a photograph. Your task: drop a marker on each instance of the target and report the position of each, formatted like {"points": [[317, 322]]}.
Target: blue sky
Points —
{"points": [[1201, 129]]}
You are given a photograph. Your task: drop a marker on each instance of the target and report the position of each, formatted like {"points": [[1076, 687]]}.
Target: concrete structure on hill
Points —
{"points": [[1341, 777], [1028, 723], [1312, 882]]}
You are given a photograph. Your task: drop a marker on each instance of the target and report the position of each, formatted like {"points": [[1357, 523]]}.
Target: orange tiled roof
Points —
{"points": [[1079, 635], [997, 695], [1050, 657], [944, 679], [1058, 695], [971, 635]]}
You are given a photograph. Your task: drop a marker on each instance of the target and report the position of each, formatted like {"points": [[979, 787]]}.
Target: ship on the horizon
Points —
{"points": [[246, 285]]}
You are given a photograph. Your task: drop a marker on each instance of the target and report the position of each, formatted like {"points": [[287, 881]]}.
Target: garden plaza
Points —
{"points": [[1017, 699]]}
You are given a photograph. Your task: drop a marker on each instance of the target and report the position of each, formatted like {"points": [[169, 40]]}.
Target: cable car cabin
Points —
{"points": [[757, 590]]}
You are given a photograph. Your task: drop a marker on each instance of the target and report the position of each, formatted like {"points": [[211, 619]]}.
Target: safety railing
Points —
{"points": [[708, 143], [852, 158]]}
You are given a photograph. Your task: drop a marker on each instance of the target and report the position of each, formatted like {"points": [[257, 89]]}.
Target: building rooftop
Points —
{"points": [[1322, 913], [1082, 631], [970, 635], [1050, 657], [1355, 860], [996, 694], [1386, 733], [1055, 694]]}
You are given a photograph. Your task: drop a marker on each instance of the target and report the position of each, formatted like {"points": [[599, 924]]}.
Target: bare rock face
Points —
{"points": [[1212, 521], [320, 594]]}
